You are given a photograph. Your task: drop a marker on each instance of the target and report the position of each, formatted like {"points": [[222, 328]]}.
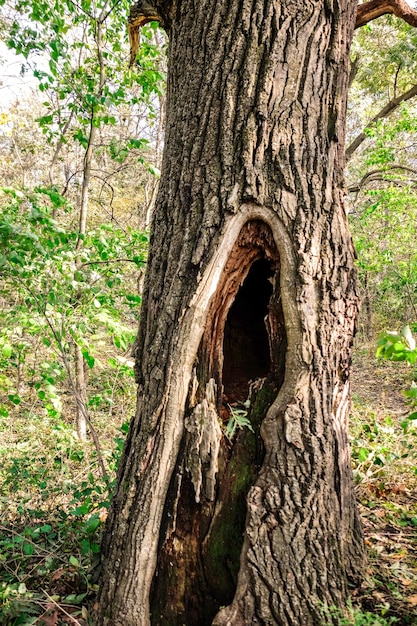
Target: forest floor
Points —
{"points": [[53, 505], [384, 451]]}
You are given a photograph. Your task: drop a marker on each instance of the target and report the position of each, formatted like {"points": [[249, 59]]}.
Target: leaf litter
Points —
{"points": [[384, 454]]}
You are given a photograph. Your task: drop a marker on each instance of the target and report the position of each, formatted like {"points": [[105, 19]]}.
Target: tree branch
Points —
{"points": [[369, 11], [140, 14], [107, 261], [388, 108], [378, 175]]}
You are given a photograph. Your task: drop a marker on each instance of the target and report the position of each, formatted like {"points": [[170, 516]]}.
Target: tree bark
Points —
{"points": [[252, 174], [81, 391]]}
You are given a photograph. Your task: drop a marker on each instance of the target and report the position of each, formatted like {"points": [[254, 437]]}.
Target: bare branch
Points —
{"points": [[61, 608], [378, 175], [385, 112], [369, 11]]}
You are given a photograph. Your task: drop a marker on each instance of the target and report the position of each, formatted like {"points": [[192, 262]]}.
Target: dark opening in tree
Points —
{"points": [[244, 337], [246, 354], [204, 520]]}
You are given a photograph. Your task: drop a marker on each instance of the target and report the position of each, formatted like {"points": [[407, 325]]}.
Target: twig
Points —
{"points": [[107, 261], [61, 608]]}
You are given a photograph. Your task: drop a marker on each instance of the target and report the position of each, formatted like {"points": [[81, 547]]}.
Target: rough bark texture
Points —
{"points": [[254, 143]]}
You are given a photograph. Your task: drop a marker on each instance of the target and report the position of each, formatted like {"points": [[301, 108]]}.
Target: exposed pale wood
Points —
{"points": [[142, 12], [203, 443]]}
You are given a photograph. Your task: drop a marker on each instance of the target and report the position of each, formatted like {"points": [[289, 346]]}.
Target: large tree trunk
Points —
{"points": [[250, 277]]}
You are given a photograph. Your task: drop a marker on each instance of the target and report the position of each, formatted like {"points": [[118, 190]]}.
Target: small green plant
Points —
{"points": [[401, 347], [398, 346], [372, 446], [238, 420], [356, 617], [370, 619]]}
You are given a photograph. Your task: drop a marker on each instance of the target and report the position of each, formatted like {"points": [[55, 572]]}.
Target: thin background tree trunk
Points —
{"points": [[255, 133], [80, 365]]}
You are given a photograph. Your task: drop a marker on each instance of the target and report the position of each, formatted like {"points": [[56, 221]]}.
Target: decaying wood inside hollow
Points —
{"points": [[202, 532]]}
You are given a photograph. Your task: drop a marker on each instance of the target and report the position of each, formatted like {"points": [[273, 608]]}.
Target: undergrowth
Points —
{"points": [[384, 459], [54, 502], [53, 506]]}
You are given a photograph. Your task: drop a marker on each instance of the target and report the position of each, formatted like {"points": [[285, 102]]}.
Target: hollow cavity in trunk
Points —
{"points": [[246, 350], [239, 367]]}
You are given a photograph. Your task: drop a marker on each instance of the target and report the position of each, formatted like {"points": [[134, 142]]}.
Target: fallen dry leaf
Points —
{"points": [[412, 600], [49, 618], [57, 574]]}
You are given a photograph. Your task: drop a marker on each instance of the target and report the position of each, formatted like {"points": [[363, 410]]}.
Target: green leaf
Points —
{"points": [[28, 548], [7, 350], [84, 509], [92, 524], [25, 619], [15, 398], [408, 336], [363, 454], [134, 298], [90, 360], [73, 561], [138, 260], [74, 599], [138, 143], [45, 529]]}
